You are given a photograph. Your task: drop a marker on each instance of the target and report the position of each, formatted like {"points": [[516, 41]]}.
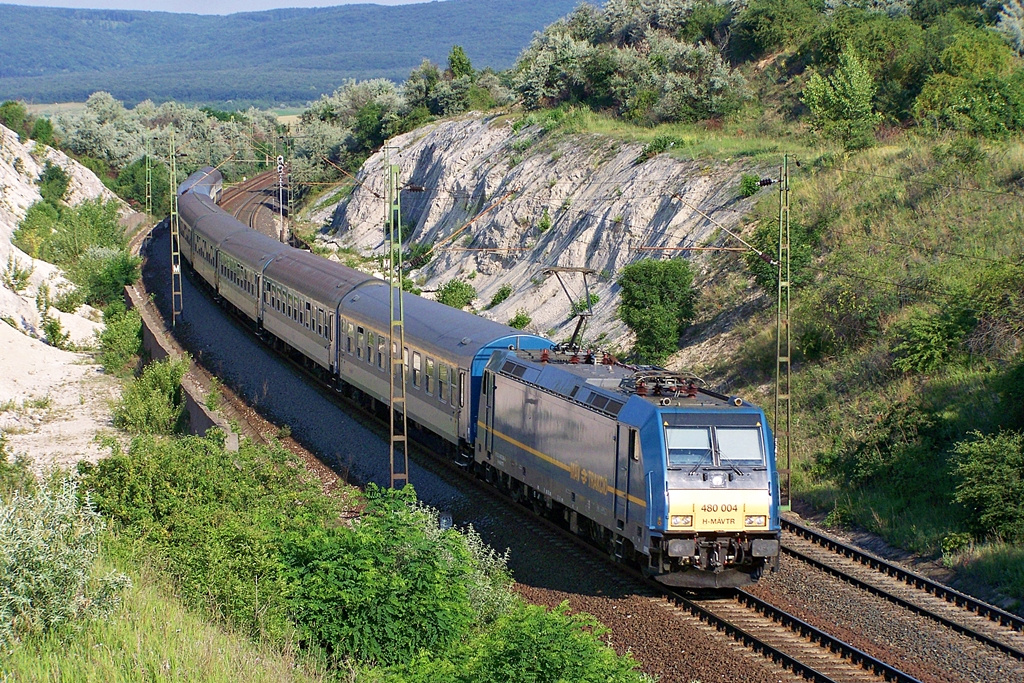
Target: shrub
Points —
{"points": [[544, 224], [766, 25], [504, 292], [456, 293], [121, 338], [15, 275], [990, 470], [658, 302], [54, 332], [841, 103], [749, 185], [103, 273], [581, 306], [927, 342], [520, 320], [49, 542], [154, 403], [53, 184]]}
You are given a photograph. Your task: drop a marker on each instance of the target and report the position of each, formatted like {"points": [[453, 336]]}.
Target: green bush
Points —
{"points": [[456, 293], [131, 185], [54, 333], [49, 542], [504, 292], [658, 302], [750, 183], [841, 103], [520, 320], [766, 25], [990, 472], [154, 403], [581, 306], [53, 184], [121, 338], [926, 342], [103, 272]]}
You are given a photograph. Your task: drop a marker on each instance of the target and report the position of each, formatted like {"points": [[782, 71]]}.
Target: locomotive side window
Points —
{"points": [[688, 445], [740, 446], [428, 375], [442, 382]]}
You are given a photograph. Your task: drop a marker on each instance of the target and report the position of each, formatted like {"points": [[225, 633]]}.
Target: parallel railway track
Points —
{"points": [[961, 613], [807, 652]]}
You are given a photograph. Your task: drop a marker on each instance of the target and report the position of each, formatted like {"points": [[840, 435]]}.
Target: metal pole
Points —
{"points": [[399, 448], [177, 303], [783, 345]]}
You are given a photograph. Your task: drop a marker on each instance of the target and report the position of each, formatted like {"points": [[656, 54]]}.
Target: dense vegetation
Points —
{"points": [[262, 59]]}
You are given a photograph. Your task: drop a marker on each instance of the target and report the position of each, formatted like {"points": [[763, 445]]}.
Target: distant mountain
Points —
{"points": [[277, 57]]}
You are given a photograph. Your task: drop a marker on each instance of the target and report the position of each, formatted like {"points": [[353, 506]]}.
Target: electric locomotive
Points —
{"points": [[641, 461]]}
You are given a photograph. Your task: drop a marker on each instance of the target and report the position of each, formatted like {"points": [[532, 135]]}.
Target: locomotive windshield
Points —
{"points": [[739, 446], [733, 446], [688, 445]]}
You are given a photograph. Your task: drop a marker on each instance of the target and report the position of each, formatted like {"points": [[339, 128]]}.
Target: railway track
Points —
{"points": [[795, 649], [952, 609]]}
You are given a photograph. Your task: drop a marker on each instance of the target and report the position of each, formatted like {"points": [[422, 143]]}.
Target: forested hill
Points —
{"points": [[288, 56]]}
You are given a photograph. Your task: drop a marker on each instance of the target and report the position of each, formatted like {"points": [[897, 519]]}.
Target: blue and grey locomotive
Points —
{"points": [[639, 460]]}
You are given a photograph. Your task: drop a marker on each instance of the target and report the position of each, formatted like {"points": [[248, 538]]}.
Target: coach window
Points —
{"points": [[309, 316], [428, 372], [371, 342], [382, 350], [416, 369], [359, 341], [330, 327], [462, 389], [442, 382]]}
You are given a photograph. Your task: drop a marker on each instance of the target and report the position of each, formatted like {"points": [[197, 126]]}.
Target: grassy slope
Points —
{"points": [[915, 227], [152, 637]]}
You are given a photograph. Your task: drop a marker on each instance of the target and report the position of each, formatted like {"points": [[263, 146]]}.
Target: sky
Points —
{"points": [[199, 6]]}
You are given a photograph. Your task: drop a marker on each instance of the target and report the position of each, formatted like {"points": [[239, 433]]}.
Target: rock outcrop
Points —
{"points": [[533, 200]]}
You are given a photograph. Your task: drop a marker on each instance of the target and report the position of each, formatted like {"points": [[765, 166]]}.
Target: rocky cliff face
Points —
{"points": [[21, 164], [534, 200]]}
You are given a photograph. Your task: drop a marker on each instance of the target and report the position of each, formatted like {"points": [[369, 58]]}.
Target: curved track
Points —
{"points": [[793, 649]]}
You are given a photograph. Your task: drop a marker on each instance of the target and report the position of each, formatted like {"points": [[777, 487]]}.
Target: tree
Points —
{"points": [[458, 62], [841, 103], [13, 115], [1011, 24], [990, 470], [658, 301], [456, 293]]}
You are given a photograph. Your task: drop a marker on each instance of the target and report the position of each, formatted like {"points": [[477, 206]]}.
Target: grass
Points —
{"points": [[151, 637], [993, 564]]}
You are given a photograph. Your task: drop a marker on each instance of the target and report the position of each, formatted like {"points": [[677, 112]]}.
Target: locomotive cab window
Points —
{"points": [[688, 446], [740, 446]]}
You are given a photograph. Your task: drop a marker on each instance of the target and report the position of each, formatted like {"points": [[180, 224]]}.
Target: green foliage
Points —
{"points": [[53, 184], [458, 62], [926, 341], [49, 541], [103, 272], [13, 115], [504, 292], [384, 590], [15, 275], [42, 132], [534, 644], [213, 396], [456, 293], [131, 185], [658, 302], [661, 143], [544, 224], [55, 334], [154, 403], [766, 25], [121, 338], [990, 472], [841, 103], [520, 320], [581, 306], [980, 88], [750, 183]]}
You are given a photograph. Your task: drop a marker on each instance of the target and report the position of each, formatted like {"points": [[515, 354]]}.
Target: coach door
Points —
{"points": [[628, 452]]}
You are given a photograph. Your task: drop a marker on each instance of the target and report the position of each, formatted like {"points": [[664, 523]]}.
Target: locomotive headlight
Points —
{"points": [[680, 520], [754, 520]]}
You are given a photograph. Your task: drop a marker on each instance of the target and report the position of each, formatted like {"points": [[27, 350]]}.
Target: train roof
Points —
{"points": [[206, 218], [321, 279], [435, 327], [253, 249], [600, 381], [206, 181]]}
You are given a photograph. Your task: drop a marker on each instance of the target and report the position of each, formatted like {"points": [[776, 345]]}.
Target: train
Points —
{"points": [[648, 464]]}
